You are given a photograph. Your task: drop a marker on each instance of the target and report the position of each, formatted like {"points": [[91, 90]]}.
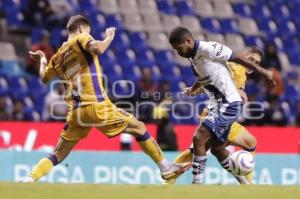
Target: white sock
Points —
{"points": [[229, 166], [199, 164], [164, 165], [226, 164]]}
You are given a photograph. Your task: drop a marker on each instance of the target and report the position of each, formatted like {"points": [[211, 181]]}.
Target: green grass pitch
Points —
{"points": [[100, 191]]}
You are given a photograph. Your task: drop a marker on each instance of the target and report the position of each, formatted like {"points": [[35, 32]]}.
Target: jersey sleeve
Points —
{"points": [[84, 39], [49, 72], [218, 51], [238, 73], [241, 78]]}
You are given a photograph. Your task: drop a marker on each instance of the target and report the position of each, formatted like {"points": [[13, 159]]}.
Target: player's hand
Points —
{"points": [[190, 91], [187, 91], [110, 32], [270, 77], [37, 55], [243, 95]]}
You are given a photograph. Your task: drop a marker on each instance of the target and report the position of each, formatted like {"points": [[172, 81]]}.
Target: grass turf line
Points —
{"points": [[101, 191]]}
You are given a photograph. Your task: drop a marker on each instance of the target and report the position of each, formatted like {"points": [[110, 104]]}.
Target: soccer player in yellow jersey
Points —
{"points": [[238, 135], [76, 63]]}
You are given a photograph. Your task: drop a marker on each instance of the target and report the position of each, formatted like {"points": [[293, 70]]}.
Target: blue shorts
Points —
{"points": [[219, 120]]}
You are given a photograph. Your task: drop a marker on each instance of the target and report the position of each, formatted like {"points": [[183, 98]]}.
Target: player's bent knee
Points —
{"points": [[200, 136], [141, 127], [251, 142], [254, 140], [136, 128], [135, 123]]}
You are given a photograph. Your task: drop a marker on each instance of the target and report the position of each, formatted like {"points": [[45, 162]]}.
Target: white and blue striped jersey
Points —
{"points": [[209, 64]]}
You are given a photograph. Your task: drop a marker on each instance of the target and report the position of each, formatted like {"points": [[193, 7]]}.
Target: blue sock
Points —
{"points": [[144, 137], [53, 159]]}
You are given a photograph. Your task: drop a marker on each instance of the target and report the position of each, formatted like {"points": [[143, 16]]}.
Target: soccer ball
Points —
{"points": [[242, 162]]}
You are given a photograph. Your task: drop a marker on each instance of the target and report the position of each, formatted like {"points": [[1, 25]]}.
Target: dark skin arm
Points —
{"points": [[194, 89], [240, 59]]}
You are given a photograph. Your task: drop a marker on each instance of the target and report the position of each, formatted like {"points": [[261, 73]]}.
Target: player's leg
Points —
{"points": [[215, 124], [69, 137], [241, 137], [227, 115], [183, 157], [45, 165], [200, 139], [187, 155], [244, 139], [144, 139], [248, 142], [149, 145], [223, 156], [220, 152], [114, 121]]}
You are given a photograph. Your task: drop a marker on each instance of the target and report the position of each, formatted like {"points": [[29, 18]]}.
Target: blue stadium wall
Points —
{"points": [[137, 168]]}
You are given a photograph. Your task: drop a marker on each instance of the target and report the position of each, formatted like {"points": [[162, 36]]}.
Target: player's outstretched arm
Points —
{"points": [[99, 47], [240, 59], [194, 89], [40, 58]]}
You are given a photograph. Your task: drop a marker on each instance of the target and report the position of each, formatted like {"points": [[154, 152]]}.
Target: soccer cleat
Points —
{"points": [[196, 182], [29, 180], [172, 180], [175, 169]]}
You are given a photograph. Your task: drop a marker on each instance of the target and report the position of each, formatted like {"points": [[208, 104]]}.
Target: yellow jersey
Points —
{"points": [[80, 71], [238, 73]]}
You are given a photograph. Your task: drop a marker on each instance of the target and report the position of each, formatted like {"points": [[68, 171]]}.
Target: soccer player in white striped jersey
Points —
{"points": [[209, 64]]}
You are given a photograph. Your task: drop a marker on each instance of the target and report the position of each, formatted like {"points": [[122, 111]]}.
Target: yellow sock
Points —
{"points": [[151, 148], [249, 176], [42, 168], [185, 156]]}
